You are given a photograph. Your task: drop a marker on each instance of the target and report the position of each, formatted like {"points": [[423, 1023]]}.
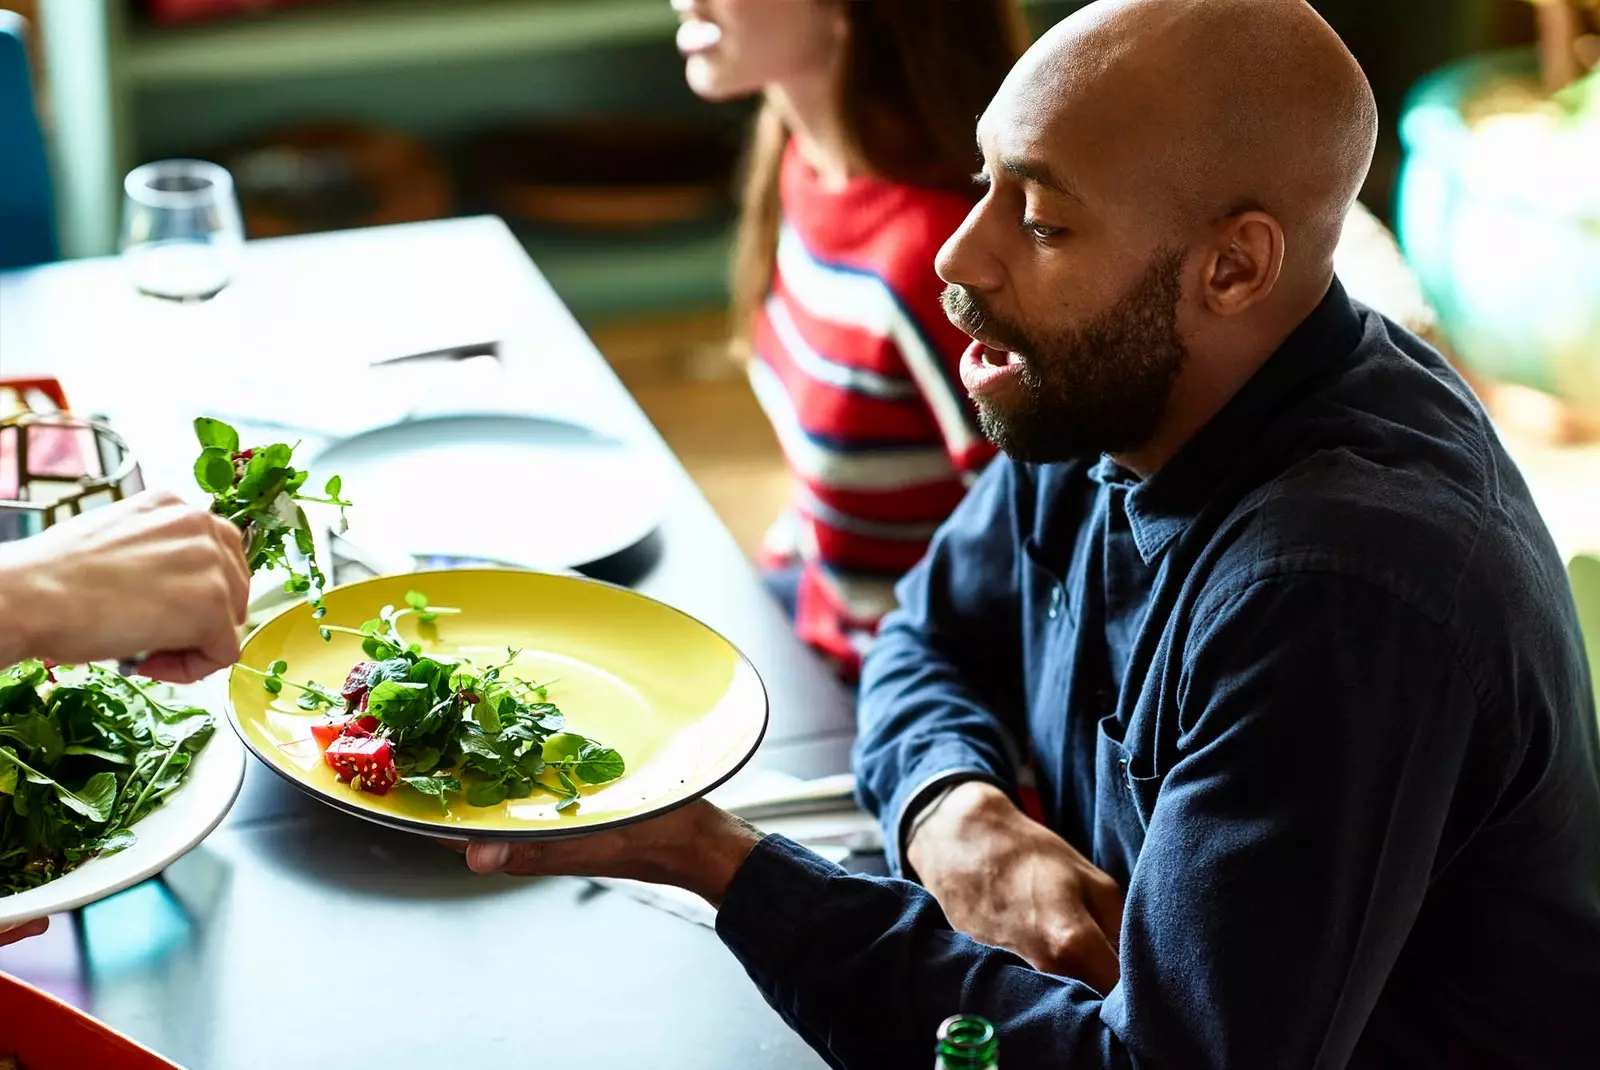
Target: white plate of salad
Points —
{"points": [[107, 796]]}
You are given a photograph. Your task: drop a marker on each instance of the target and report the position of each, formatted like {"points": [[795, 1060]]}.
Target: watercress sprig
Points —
{"points": [[259, 490]]}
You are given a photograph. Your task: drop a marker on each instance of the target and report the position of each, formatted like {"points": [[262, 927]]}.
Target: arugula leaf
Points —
{"points": [[37, 732], [20, 682], [94, 800]]}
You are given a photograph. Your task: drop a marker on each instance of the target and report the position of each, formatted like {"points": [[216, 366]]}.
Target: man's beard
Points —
{"points": [[1099, 388]]}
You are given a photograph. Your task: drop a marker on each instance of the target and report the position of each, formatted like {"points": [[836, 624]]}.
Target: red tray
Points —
{"points": [[47, 1034]]}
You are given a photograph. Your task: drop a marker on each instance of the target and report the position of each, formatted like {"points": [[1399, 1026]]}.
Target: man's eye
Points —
{"points": [[1039, 230]]}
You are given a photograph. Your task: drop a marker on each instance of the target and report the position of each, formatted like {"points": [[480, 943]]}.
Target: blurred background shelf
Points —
{"points": [[441, 71], [386, 34]]}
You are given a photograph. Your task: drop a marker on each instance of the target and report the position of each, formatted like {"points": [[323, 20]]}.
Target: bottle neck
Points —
{"points": [[967, 1043]]}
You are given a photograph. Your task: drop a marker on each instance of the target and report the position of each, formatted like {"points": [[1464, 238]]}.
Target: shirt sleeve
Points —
{"points": [[1325, 728], [939, 689]]}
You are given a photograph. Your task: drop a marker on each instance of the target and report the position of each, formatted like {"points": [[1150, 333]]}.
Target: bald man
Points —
{"points": [[1256, 598]]}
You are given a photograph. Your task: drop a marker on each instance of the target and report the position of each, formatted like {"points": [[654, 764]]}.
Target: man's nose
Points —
{"points": [[966, 258]]}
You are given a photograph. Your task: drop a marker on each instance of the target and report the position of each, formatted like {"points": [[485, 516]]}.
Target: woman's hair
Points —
{"points": [[916, 76]]}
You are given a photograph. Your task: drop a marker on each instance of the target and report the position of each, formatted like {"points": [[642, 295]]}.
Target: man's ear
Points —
{"points": [[1243, 263]]}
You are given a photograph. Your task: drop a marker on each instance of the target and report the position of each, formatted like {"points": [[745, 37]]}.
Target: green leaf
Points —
{"points": [[397, 704], [548, 716], [21, 682], [487, 716], [420, 759], [416, 600], [430, 672], [564, 746], [213, 470], [94, 800], [436, 786], [119, 840], [599, 765], [214, 434], [486, 793], [37, 732], [273, 684], [8, 779], [96, 752], [278, 668], [332, 488]]}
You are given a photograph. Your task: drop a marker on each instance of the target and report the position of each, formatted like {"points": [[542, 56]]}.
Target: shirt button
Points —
{"points": [[1057, 597]]}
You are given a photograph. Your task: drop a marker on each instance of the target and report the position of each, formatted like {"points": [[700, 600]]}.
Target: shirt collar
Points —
{"points": [[1162, 506]]}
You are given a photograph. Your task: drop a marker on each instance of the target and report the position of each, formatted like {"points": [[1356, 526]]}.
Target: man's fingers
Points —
{"points": [[585, 856], [488, 856], [23, 931], [180, 668], [229, 539], [1085, 953]]}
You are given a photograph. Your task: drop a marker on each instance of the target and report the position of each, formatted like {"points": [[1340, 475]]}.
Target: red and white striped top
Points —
{"points": [[856, 366]]}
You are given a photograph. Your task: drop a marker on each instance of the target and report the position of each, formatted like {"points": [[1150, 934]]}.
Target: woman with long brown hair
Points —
{"points": [[859, 168]]}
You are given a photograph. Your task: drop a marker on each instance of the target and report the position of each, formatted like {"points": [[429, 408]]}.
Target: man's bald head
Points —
{"points": [[1210, 107], [1168, 180]]}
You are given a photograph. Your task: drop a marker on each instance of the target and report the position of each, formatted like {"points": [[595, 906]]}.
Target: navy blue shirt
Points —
{"points": [[1313, 693]]}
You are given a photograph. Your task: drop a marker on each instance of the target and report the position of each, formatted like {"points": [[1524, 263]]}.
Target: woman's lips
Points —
{"points": [[986, 371], [698, 35]]}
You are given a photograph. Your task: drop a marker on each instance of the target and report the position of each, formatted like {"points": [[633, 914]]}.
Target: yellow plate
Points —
{"points": [[681, 704]]}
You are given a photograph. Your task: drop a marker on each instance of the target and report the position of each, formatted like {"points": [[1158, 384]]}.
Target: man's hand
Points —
{"points": [[697, 847], [1010, 882], [23, 931], [147, 574]]}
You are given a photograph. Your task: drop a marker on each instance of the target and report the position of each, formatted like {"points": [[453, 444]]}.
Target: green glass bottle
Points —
{"points": [[967, 1042]]}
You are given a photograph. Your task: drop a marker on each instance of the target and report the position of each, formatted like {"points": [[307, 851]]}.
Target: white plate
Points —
{"points": [[171, 831], [522, 490]]}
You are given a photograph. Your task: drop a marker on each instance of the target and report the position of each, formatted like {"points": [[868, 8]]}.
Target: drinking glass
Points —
{"points": [[181, 229]]}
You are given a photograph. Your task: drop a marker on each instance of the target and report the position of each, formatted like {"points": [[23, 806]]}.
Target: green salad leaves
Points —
{"points": [[84, 755], [444, 727], [259, 490]]}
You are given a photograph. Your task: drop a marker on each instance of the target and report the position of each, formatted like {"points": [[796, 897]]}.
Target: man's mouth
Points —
{"points": [[997, 357]]}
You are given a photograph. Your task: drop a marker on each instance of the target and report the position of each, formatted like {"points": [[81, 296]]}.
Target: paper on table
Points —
{"points": [[687, 905], [830, 824]]}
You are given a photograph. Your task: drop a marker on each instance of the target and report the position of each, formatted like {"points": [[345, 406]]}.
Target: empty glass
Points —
{"points": [[181, 229]]}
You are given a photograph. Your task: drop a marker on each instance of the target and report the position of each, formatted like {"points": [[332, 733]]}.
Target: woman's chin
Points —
{"points": [[711, 82]]}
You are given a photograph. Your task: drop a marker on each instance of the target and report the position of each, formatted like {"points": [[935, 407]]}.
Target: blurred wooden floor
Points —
{"points": [[704, 409]]}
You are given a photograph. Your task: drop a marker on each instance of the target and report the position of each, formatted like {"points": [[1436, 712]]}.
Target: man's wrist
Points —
{"points": [[718, 851], [964, 802]]}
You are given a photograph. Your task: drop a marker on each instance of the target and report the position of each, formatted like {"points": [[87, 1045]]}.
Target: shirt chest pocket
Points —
{"points": [[1125, 798]]}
